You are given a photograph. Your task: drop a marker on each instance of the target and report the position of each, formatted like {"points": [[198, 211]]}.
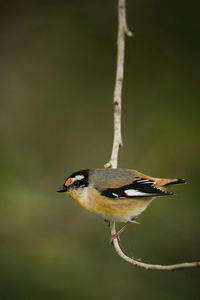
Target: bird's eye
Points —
{"points": [[76, 183]]}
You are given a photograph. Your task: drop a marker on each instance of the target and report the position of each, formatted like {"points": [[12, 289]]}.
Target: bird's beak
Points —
{"points": [[62, 189]]}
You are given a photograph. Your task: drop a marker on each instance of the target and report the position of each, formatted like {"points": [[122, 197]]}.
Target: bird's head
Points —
{"points": [[75, 183]]}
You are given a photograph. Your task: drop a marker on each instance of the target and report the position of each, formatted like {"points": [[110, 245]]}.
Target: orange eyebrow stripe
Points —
{"points": [[67, 183]]}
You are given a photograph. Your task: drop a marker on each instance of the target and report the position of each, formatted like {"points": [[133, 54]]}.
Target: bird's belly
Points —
{"points": [[118, 214], [119, 210]]}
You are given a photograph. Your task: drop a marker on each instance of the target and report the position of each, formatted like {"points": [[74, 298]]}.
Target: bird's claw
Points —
{"points": [[113, 237]]}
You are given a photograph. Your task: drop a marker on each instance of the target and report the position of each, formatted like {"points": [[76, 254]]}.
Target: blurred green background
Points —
{"points": [[56, 80]]}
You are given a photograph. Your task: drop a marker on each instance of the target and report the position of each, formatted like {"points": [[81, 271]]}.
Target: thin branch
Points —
{"points": [[122, 31], [151, 266], [117, 141]]}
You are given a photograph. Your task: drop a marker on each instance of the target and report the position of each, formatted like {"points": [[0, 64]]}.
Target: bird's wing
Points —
{"points": [[110, 178], [139, 187]]}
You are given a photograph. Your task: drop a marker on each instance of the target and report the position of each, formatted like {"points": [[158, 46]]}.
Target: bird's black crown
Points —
{"points": [[84, 180]]}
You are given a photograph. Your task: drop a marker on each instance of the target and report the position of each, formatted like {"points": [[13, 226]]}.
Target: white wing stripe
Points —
{"points": [[145, 181], [136, 193], [115, 195]]}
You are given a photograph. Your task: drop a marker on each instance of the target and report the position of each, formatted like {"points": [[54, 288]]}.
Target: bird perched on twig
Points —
{"points": [[116, 194]]}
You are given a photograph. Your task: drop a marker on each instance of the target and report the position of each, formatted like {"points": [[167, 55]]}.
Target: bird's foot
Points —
{"points": [[117, 234], [113, 237]]}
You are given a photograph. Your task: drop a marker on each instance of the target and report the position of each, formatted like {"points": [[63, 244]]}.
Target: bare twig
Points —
{"points": [[122, 31], [150, 266], [117, 141]]}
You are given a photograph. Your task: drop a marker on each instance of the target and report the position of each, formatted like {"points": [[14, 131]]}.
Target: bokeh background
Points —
{"points": [[56, 82]]}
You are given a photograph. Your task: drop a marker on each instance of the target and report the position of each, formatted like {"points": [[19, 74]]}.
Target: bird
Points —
{"points": [[118, 195]]}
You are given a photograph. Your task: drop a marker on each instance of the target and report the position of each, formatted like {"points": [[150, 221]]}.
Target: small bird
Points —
{"points": [[118, 195]]}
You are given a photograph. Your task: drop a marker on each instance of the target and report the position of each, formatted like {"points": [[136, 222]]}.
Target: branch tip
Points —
{"points": [[128, 32]]}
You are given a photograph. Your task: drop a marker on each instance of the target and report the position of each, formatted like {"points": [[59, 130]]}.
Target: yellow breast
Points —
{"points": [[81, 201]]}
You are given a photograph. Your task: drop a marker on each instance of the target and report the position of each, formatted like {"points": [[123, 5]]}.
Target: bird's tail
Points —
{"points": [[161, 183], [168, 182]]}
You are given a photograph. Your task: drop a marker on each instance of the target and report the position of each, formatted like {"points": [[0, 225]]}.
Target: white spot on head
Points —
{"points": [[79, 177], [76, 178]]}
